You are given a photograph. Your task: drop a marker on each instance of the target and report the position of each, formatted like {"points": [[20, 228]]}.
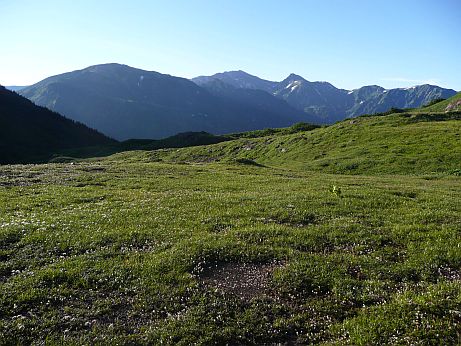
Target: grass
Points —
{"points": [[180, 140], [241, 242], [113, 251], [441, 106], [404, 143]]}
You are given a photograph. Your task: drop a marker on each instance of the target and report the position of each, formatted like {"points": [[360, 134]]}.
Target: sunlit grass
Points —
{"points": [[115, 251]]}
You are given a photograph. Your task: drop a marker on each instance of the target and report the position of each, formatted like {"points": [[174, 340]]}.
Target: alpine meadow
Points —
{"points": [[225, 208]]}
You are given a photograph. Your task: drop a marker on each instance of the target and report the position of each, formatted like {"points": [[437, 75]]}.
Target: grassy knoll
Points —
{"points": [[125, 250], [442, 106], [404, 143]]}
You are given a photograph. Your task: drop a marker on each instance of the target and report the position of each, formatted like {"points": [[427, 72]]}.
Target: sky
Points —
{"points": [[349, 43]]}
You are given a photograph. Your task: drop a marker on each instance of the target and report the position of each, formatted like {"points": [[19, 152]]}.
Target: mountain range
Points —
{"points": [[124, 102], [30, 133], [328, 103]]}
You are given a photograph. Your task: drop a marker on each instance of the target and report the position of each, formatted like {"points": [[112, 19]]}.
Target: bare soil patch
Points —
{"points": [[246, 280]]}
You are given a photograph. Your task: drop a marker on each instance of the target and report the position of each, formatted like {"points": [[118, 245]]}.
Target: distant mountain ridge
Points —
{"points": [[328, 103], [29, 133], [252, 97], [239, 79], [319, 98], [15, 87], [125, 102]]}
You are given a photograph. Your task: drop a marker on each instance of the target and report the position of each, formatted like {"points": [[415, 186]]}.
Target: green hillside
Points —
{"points": [[442, 106], [403, 143]]}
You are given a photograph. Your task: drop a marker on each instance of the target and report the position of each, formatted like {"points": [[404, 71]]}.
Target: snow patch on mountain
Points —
{"points": [[293, 85], [140, 80]]}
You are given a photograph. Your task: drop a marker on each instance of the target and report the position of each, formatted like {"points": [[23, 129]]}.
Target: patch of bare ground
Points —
{"points": [[245, 280]]}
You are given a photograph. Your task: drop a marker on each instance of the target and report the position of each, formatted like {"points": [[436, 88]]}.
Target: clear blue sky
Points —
{"points": [[349, 43]]}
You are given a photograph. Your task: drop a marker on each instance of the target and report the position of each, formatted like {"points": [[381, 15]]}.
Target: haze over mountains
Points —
{"points": [[124, 102], [328, 103]]}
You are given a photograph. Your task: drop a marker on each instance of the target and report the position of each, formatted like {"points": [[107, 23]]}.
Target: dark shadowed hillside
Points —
{"points": [[31, 133]]}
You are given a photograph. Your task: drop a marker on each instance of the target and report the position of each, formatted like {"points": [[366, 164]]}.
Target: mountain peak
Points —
{"points": [[233, 74], [293, 77], [107, 66], [240, 72], [238, 79]]}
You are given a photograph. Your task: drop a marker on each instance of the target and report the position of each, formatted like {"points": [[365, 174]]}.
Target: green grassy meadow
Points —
{"points": [[351, 235], [404, 143]]}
